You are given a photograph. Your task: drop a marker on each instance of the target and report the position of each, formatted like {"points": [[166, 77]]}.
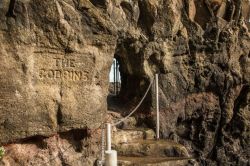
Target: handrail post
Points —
{"points": [[157, 107], [108, 137], [110, 155]]}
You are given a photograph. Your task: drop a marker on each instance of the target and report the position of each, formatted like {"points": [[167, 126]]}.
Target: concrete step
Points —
{"points": [[152, 148], [129, 135], [156, 161]]}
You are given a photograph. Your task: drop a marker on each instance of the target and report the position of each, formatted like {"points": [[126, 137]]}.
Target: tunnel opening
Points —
{"points": [[127, 86], [114, 100]]}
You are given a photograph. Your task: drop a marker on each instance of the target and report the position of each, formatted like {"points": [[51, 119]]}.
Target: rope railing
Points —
{"points": [[103, 143], [111, 155], [101, 161], [136, 108]]}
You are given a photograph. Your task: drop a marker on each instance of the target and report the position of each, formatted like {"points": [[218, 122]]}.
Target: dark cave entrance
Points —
{"points": [[127, 84], [114, 99], [114, 78], [124, 84]]}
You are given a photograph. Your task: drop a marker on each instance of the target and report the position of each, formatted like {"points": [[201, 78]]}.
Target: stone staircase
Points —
{"points": [[155, 161], [137, 147]]}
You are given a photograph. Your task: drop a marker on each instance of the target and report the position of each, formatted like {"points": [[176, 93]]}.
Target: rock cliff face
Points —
{"points": [[56, 55], [55, 59]]}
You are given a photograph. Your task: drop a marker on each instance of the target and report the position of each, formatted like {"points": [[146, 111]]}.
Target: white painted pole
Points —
{"points": [[110, 155], [111, 158], [157, 107], [108, 137]]}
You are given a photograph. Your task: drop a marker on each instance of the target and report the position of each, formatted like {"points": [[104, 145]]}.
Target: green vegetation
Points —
{"points": [[2, 151]]}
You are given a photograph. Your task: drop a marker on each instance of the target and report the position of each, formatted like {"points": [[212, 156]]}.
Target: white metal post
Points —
{"points": [[157, 107], [111, 158], [108, 137], [110, 155]]}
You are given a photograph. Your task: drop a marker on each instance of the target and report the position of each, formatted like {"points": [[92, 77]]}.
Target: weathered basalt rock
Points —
{"points": [[55, 58]]}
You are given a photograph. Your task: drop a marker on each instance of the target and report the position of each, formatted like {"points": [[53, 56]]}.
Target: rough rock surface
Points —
{"points": [[69, 148], [55, 60], [56, 55]]}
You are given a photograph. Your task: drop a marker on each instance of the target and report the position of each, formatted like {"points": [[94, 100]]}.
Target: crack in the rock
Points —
{"points": [[10, 12], [59, 114]]}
